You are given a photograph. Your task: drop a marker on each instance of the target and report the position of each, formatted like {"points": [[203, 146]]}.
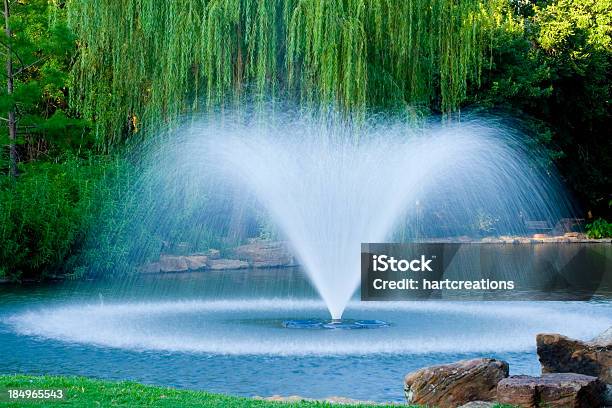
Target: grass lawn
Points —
{"points": [[85, 392]]}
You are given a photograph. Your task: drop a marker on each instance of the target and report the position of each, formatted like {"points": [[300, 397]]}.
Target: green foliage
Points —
{"points": [[48, 211], [599, 228], [142, 62], [41, 48], [552, 62], [130, 66], [576, 42], [120, 232]]}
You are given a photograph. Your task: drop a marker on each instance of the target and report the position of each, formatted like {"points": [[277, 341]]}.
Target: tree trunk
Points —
{"points": [[12, 125]]}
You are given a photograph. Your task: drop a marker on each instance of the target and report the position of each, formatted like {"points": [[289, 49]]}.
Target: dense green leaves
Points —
{"points": [[546, 62], [50, 209], [552, 68], [146, 62], [41, 47], [599, 228], [91, 74]]}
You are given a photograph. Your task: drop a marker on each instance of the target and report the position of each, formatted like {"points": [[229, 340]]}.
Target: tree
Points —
{"points": [[551, 62], [12, 126], [37, 48], [140, 62]]}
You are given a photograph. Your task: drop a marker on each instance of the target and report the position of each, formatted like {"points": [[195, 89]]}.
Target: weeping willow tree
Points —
{"points": [[142, 61]]}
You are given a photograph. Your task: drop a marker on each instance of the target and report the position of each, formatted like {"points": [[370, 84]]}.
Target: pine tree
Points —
{"points": [[36, 47]]}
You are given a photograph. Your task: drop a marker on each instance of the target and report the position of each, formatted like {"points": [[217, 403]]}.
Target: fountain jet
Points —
{"points": [[328, 186]]}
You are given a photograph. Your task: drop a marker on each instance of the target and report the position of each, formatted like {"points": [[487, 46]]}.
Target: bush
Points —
{"points": [[75, 216], [599, 228], [46, 212]]}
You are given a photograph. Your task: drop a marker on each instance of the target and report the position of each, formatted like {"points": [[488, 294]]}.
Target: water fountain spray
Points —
{"points": [[327, 186]]}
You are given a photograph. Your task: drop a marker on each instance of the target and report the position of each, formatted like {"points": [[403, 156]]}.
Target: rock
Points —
{"points": [[557, 390], [518, 390], [560, 354], [173, 263], [452, 385], [195, 262], [264, 254], [223, 264], [479, 404]]}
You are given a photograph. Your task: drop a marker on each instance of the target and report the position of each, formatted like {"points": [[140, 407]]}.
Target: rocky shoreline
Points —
{"points": [[275, 254], [255, 254], [575, 374]]}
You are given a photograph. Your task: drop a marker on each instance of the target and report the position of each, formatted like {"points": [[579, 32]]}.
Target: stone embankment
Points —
{"points": [[575, 374], [256, 254], [274, 254]]}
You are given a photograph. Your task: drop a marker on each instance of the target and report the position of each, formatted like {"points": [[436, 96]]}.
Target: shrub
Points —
{"points": [[599, 228], [46, 212]]}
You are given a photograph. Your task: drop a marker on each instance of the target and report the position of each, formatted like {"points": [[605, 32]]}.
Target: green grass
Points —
{"points": [[85, 392]]}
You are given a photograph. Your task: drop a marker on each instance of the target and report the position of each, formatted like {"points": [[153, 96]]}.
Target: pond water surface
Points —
{"points": [[222, 332]]}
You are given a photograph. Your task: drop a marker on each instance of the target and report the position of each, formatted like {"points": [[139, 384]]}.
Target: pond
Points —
{"points": [[223, 332]]}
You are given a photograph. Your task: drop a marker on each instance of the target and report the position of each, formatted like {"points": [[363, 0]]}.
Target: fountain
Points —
{"points": [[323, 188], [327, 186]]}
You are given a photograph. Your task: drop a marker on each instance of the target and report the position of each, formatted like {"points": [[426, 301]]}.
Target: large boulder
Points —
{"points": [[452, 385], [558, 390], [560, 354], [264, 254]]}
